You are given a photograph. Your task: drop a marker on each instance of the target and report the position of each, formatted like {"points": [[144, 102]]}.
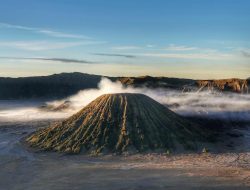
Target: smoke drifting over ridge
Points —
{"points": [[215, 105], [191, 103]]}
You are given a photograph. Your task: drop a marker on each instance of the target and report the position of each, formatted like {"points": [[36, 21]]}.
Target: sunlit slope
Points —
{"points": [[119, 123]]}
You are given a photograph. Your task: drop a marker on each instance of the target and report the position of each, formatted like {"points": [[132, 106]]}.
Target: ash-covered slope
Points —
{"points": [[119, 123]]}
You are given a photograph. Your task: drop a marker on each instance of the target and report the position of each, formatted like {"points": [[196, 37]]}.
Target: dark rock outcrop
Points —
{"points": [[61, 107]]}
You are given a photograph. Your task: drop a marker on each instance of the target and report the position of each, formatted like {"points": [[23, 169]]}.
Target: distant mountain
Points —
{"points": [[231, 85], [222, 85], [66, 84], [53, 86], [156, 82]]}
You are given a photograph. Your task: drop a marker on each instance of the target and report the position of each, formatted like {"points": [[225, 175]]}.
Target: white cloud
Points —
{"points": [[126, 47], [173, 47], [43, 45], [150, 45], [62, 35], [47, 32], [208, 56]]}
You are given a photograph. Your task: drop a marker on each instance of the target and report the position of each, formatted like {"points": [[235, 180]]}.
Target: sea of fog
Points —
{"points": [[208, 104]]}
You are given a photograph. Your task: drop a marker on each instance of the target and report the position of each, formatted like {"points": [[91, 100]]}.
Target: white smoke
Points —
{"points": [[216, 105], [106, 86], [29, 114]]}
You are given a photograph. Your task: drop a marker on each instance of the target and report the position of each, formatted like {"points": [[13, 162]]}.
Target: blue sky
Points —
{"points": [[178, 38]]}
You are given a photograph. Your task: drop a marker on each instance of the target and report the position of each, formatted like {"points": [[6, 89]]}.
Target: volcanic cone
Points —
{"points": [[117, 123]]}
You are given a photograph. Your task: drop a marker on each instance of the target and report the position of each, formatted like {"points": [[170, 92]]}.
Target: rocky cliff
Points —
{"points": [[231, 85]]}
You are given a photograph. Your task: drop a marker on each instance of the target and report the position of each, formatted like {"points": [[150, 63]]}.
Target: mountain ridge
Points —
{"points": [[65, 84]]}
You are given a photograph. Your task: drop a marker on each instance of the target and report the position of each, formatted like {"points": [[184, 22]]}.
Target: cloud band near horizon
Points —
{"points": [[62, 60]]}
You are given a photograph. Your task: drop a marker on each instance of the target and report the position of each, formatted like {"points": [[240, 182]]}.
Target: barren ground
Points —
{"points": [[22, 168]]}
